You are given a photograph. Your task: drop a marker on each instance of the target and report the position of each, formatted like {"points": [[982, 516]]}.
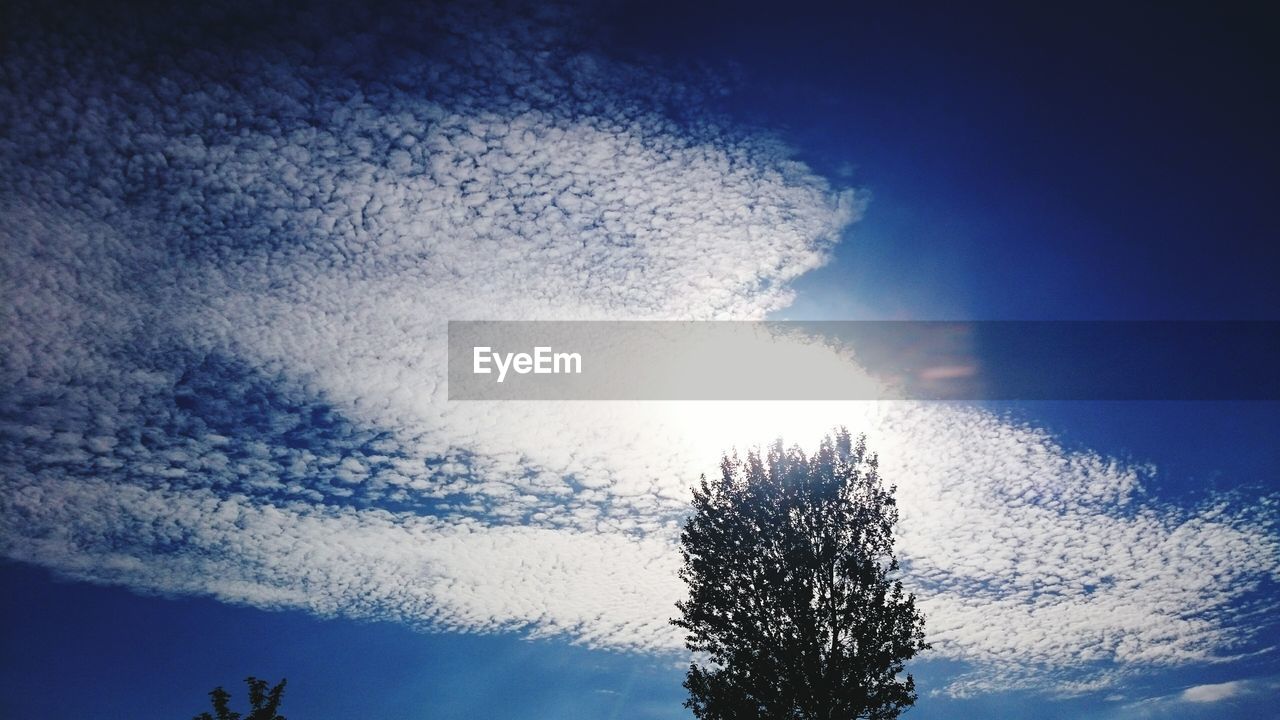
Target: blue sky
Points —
{"points": [[233, 238]]}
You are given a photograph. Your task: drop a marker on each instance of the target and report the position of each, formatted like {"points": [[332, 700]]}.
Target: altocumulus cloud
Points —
{"points": [[233, 237]]}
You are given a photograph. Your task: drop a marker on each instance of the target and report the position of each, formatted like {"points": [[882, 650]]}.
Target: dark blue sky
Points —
{"points": [[1021, 162], [1089, 161]]}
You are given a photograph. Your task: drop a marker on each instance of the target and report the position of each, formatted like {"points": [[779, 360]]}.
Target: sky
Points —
{"points": [[233, 237]]}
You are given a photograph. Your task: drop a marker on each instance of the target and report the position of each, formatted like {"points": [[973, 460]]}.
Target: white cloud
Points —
{"points": [[226, 282], [1213, 692], [1201, 695]]}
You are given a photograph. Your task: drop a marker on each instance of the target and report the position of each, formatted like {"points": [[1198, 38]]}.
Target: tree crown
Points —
{"points": [[794, 597], [264, 703]]}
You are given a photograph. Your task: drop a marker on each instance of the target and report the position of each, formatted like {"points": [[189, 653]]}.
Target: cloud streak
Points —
{"points": [[1213, 692]]}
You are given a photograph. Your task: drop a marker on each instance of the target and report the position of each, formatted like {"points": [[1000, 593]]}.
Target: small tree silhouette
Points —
{"points": [[263, 703]]}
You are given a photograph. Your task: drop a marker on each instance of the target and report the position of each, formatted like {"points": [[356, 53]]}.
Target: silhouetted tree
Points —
{"points": [[263, 703], [794, 604]]}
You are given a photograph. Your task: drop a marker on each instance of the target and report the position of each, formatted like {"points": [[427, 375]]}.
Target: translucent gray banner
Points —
{"points": [[863, 360]]}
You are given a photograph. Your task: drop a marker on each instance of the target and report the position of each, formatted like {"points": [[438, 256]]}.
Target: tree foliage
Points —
{"points": [[794, 604], [263, 703]]}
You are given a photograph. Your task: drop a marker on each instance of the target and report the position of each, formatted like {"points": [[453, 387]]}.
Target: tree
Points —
{"points": [[794, 602], [263, 702]]}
